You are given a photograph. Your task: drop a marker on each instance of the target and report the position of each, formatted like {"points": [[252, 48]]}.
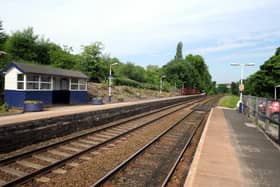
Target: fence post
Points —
{"points": [[257, 110], [249, 105], [267, 111]]}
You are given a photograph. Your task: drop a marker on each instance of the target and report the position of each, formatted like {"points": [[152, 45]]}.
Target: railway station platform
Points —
{"points": [[234, 152], [34, 127], [56, 111]]}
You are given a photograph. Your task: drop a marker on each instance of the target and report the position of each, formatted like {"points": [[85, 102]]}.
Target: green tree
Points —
{"points": [[131, 71], [201, 73], [234, 88], [153, 74], [22, 45], [263, 81], [179, 51], [92, 62], [3, 36]]}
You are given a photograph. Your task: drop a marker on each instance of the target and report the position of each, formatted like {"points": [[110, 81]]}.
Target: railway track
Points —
{"points": [[155, 163], [24, 167]]}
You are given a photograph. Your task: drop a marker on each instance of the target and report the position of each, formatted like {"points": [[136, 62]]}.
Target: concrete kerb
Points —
{"points": [[193, 170]]}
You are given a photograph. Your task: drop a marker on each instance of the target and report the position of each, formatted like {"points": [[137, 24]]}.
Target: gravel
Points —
{"points": [[90, 171]]}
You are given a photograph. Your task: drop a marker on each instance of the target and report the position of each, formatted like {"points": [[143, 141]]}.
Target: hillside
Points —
{"points": [[125, 93]]}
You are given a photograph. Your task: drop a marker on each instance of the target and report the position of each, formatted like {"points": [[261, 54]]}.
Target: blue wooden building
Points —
{"points": [[47, 84]]}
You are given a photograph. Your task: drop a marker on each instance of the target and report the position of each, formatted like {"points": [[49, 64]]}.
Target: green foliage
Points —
{"points": [[22, 45], [3, 36], [190, 72], [213, 90], [202, 77], [26, 46], [4, 107], [130, 71], [222, 88], [152, 74], [179, 51], [92, 62], [229, 101], [133, 83], [234, 88], [263, 81]]}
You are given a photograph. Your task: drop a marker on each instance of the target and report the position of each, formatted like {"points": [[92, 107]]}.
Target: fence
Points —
{"points": [[265, 112]]}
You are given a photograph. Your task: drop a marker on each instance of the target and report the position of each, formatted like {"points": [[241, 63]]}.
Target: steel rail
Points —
{"points": [[61, 162], [188, 143], [40, 149], [141, 150]]}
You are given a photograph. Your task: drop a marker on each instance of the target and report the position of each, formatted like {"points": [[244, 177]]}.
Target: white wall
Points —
{"points": [[11, 79]]}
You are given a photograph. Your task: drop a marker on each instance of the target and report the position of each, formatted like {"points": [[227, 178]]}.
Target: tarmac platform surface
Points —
{"points": [[234, 152]]}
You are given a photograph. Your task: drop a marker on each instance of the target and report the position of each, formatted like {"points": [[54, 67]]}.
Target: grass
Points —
{"points": [[229, 101]]}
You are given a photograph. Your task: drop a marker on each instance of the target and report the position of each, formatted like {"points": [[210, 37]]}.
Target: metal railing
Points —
{"points": [[266, 114]]}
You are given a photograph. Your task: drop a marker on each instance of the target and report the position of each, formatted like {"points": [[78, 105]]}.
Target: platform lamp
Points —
{"points": [[241, 87], [110, 81]]}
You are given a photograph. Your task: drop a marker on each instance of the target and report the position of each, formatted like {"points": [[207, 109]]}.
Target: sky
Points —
{"points": [[147, 31]]}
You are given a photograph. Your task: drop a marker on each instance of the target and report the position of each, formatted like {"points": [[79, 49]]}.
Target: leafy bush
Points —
{"points": [[32, 102], [133, 83], [4, 107]]}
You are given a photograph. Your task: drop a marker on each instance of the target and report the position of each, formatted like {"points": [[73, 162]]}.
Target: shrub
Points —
{"points": [[133, 83], [4, 107]]}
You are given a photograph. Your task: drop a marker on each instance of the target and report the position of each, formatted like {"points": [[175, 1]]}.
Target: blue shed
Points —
{"points": [[39, 82]]}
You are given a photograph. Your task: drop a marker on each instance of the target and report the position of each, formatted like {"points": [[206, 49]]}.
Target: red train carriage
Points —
{"points": [[190, 91]]}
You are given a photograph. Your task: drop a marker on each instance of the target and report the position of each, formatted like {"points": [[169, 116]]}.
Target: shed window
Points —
{"points": [[78, 84], [32, 85], [32, 82], [45, 83], [82, 84], [20, 81], [33, 78], [74, 84], [45, 78]]}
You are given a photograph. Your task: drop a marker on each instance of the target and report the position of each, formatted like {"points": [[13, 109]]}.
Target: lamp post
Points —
{"points": [[275, 92], [160, 82], [241, 79], [110, 81]]}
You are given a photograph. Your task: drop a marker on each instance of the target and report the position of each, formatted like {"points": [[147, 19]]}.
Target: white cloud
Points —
{"points": [[150, 29], [128, 27]]}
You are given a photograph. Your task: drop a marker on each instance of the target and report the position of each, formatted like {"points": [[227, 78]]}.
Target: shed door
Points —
{"points": [[64, 84]]}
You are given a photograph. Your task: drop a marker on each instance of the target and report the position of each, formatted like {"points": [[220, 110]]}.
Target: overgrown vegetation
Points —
{"points": [[229, 101], [4, 108], [26, 46], [263, 81]]}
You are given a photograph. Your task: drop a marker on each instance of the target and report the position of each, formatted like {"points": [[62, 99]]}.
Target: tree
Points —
{"points": [[277, 53], [179, 51], [92, 62], [234, 88], [179, 72], [22, 45], [263, 81], [3, 36], [131, 71], [222, 88], [153, 74], [200, 70]]}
